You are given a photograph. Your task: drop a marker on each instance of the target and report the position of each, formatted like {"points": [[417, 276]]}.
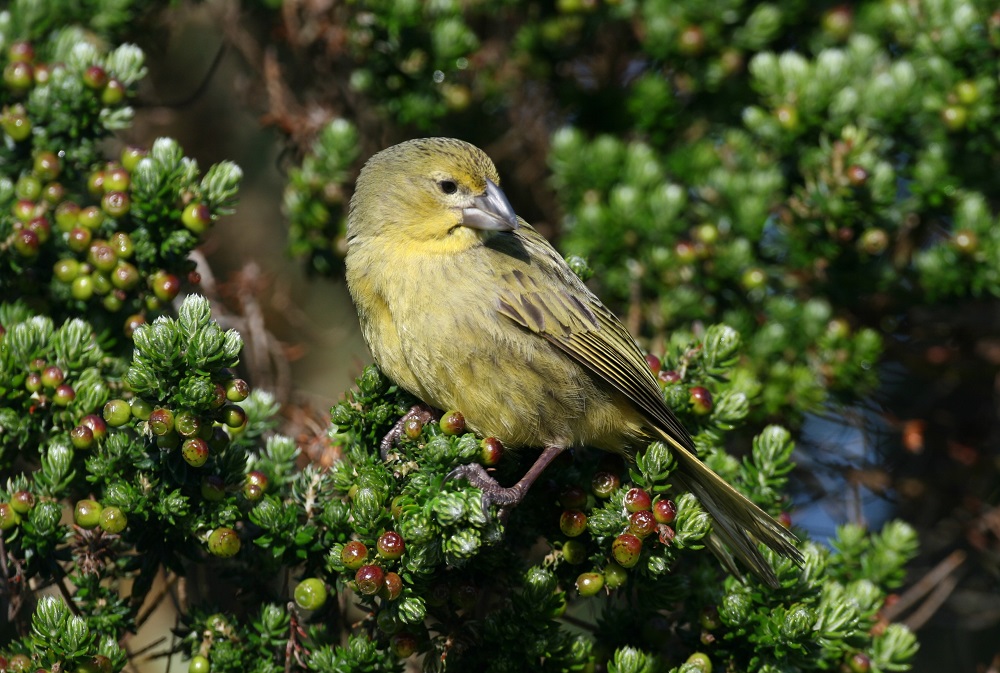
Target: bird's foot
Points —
{"points": [[418, 412]]}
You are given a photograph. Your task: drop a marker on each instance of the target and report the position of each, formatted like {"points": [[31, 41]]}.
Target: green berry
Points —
{"points": [[452, 423], [124, 276], [237, 390], [24, 210], [52, 376], [131, 156], [196, 217], [753, 278], [369, 579], [701, 661], [161, 421], [67, 215], [33, 382], [256, 485], [81, 437], [390, 545], [8, 517], [28, 188], [53, 193], [224, 542], [213, 488], [573, 523], [955, 117], [574, 551], [132, 323], [859, 662], [403, 645], [46, 166], [87, 514], [122, 244], [195, 451], [21, 51], [310, 594], [187, 423], [113, 520], [95, 77], [66, 270], [16, 124], [199, 664], [233, 416], [838, 22], [19, 76], [626, 550], [113, 93], [78, 239], [117, 413], [166, 286], [874, 241], [90, 218], [392, 587], [614, 575], [116, 204], [589, 584], [102, 256], [412, 428], [967, 92], [353, 554]]}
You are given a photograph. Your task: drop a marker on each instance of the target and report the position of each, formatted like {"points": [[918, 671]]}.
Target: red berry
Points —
{"points": [[161, 421], [166, 286], [52, 376], [21, 51], [701, 400], [195, 451], [22, 501], [353, 554], [669, 377], [95, 77], [390, 545], [573, 497], [573, 522], [857, 175], [64, 395], [392, 587], [26, 243], [256, 484], [370, 579], [653, 362], [637, 500], [116, 204], [626, 550], [96, 425], [665, 511], [641, 524], [490, 451]]}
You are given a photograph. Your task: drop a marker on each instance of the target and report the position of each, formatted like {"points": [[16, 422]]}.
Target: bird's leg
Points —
{"points": [[418, 412], [494, 493]]}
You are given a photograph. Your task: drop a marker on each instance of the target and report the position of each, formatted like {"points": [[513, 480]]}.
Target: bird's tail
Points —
{"points": [[737, 521]]}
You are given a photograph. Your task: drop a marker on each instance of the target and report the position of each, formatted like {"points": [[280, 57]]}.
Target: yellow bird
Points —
{"points": [[467, 307]]}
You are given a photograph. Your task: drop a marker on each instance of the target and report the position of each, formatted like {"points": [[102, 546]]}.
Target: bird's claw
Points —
{"points": [[493, 492]]}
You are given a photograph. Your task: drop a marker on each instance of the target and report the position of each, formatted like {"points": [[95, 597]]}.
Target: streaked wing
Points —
{"points": [[550, 300]]}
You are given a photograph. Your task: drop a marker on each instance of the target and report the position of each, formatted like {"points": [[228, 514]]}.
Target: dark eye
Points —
{"points": [[448, 186]]}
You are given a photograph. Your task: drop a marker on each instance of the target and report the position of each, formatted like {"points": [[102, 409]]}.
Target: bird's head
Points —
{"points": [[439, 192]]}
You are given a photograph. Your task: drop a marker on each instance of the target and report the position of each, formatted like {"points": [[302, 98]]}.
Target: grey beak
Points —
{"points": [[490, 211]]}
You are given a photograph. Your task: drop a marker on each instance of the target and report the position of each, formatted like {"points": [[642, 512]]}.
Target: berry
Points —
{"points": [[79, 239], [87, 514], [653, 362], [67, 215], [16, 124], [641, 524], [614, 575], [187, 423], [573, 497], [65, 270], [96, 425], [195, 451], [64, 395], [788, 117], [685, 252], [196, 217], [132, 323], [691, 41], [665, 511], [966, 241], [237, 390], [46, 166], [213, 488], [390, 545], [573, 523], [33, 382], [90, 218], [490, 451], [22, 501], [310, 594], [224, 542], [701, 400], [21, 51], [117, 413], [392, 587], [452, 423], [413, 428], [52, 376], [874, 241], [604, 484], [234, 416], [124, 276], [589, 584], [706, 233], [955, 117], [116, 204], [701, 661], [95, 77], [8, 517], [122, 244], [753, 278], [114, 92], [626, 550], [857, 175], [403, 645], [574, 551], [161, 421], [81, 437], [19, 76], [967, 92], [82, 288], [637, 500], [131, 156], [255, 485], [668, 377], [28, 188], [53, 193], [838, 22], [102, 256], [859, 662], [113, 520], [370, 579], [26, 243], [353, 554], [166, 286], [199, 664]]}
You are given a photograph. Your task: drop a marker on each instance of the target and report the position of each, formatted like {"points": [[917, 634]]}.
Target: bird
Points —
{"points": [[466, 306]]}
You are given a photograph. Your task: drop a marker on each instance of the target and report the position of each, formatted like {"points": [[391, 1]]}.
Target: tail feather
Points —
{"points": [[738, 522]]}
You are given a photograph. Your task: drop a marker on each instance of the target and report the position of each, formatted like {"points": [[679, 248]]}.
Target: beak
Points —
{"points": [[490, 211]]}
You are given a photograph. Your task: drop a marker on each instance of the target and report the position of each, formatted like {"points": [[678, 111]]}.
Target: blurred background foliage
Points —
{"points": [[819, 176]]}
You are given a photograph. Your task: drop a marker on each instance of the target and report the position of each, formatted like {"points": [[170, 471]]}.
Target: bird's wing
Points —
{"points": [[547, 298]]}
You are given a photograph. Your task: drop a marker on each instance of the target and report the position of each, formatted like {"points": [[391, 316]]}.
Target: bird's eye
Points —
{"points": [[448, 186]]}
